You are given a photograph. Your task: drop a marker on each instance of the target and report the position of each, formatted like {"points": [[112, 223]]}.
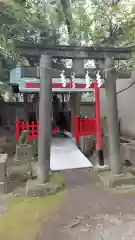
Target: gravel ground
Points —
{"points": [[92, 212]]}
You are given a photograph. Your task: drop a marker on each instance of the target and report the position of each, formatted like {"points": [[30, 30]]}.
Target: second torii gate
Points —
{"points": [[83, 126]]}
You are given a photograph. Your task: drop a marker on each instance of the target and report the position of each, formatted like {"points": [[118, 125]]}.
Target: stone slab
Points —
{"points": [[24, 153], [3, 166], [3, 187], [131, 152], [34, 188], [98, 168], [128, 152], [87, 144], [34, 167], [111, 180], [131, 169]]}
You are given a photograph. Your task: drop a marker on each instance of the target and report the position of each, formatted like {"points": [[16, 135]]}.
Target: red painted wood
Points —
{"points": [[84, 126], [59, 85], [98, 118], [33, 129]]}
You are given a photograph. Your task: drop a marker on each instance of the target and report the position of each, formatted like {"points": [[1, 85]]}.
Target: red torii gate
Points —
{"points": [[90, 126], [83, 126]]}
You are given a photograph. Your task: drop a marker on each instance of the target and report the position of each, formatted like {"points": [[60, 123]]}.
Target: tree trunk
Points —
{"points": [[67, 10]]}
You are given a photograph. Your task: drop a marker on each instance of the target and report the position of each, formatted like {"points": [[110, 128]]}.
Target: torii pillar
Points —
{"points": [[112, 117], [45, 118]]}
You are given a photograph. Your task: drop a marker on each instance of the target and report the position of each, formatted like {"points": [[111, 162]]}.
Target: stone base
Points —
{"points": [[112, 180], [99, 168], [34, 188]]}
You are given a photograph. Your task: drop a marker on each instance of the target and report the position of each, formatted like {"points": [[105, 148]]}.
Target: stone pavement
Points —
{"points": [[92, 212]]}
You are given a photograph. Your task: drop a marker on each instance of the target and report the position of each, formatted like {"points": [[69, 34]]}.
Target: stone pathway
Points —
{"points": [[91, 212]]}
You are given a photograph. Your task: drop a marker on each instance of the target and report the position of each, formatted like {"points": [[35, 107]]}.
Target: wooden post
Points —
{"points": [[78, 68], [45, 118], [26, 110], [37, 106], [73, 111], [112, 117]]}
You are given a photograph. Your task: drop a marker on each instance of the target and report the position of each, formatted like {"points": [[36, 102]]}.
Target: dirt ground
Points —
{"points": [[92, 212], [89, 211]]}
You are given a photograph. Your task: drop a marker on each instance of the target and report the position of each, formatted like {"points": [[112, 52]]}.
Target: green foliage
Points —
{"points": [[94, 22], [24, 21], [100, 23]]}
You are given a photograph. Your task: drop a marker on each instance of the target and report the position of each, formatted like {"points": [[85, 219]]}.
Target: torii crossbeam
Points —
{"points": [[73, 52]]}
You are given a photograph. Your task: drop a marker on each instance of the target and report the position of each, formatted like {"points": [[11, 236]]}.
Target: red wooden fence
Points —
{"points": [[84, 126]]}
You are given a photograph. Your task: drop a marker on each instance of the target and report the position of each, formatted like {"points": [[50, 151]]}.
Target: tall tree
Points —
{"points": [[68, 14]]}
